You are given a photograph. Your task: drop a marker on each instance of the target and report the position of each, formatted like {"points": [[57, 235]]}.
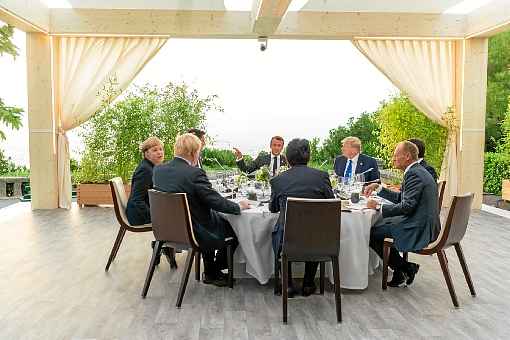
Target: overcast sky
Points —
{"points": [[293, 89]]}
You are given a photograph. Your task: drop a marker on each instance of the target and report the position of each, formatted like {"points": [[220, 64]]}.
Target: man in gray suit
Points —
{"points": [[413, 218]]}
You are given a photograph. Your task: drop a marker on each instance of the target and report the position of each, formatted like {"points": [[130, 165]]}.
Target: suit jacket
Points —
{"points": [[414, 216], [364, 163], [177, 176], [299, 181], [262, 159], [429, 168], [138, 210]]}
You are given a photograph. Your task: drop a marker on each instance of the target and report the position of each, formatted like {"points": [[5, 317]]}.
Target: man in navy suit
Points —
{"points": [[412, 217], [354, 162]]}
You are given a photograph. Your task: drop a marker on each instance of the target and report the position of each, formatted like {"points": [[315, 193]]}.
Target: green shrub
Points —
{"points": [[114, 133], [225, 157], [399, 120], [496, 169]]}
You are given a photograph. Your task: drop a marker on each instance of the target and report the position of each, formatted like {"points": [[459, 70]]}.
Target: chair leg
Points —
{"points": [[116, 246], [463, 263], [276, 274], [446, 273], [152, 266], [170, 256], [185, 276], [285, 286], [405, 255], [197, 266], [386, 257], [322, 266], [230, 263], [338, 297]]}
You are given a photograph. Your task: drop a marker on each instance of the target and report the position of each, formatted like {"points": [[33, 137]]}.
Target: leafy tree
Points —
{"points": [[399, 120], [498, 88], [6, 45], [332, 144], [112, 136], [365, 127], [9, 115]]}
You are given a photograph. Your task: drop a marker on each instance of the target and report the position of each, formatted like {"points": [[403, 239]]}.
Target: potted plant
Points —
{"points": [[112, 136]]}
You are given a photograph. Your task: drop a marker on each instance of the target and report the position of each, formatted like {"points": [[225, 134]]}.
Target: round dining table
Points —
{"points": [[254, 228]]}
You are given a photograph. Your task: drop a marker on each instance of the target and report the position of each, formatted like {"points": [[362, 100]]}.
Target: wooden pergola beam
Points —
{"points": [[26, 15], [489, 20], [232, 24], [267, 15]]}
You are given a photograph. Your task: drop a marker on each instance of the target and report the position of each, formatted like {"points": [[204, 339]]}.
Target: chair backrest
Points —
{"points": [[457, 221], [312, 228], [120, 199], [441, 185], [171, 220]]}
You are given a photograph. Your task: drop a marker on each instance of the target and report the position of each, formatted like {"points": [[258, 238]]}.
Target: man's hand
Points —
{"points": [[369, 189], [372, 204], [238, 153], [244, 205]]}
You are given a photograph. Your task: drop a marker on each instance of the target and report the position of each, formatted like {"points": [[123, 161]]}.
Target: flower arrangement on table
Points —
{"points": [[241, 179], [262, 174], [282, 169]]}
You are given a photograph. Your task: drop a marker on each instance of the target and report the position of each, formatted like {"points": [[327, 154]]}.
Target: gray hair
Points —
{"points": [[410, 148]]}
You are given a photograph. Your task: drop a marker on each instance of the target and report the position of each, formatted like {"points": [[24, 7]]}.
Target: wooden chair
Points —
{"points": [[312, 233], [451, 234], [119, 204], [171, 223]]}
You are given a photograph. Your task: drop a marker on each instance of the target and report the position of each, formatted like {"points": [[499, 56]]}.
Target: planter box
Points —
{"points": [[96, 194], [505, 190]]}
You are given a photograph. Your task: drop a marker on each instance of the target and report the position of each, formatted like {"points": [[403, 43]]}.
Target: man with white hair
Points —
{"points": [[353, 162], [181, 175], [411, 220]]}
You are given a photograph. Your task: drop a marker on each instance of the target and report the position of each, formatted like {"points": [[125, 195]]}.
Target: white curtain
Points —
{"points": [[82, 67], [425, 71]]}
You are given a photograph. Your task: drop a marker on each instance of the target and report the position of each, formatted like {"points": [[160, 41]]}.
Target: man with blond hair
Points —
{"points": [[181, 175], [411, 220], [353, 162]]}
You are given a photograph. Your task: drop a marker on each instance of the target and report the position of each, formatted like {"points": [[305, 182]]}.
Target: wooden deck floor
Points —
{"points": [[53, 286]]}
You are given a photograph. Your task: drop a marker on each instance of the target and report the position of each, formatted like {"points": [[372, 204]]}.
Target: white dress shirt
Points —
{"points": [[277, 164]]}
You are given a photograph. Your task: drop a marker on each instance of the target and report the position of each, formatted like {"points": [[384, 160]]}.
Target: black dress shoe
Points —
{"points": [[291, 291], [308, 289], [217, 280], [398, 279], [411, 271]]}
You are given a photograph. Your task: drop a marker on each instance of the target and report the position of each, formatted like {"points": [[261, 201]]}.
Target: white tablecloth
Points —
{"points": [[254, 227]]}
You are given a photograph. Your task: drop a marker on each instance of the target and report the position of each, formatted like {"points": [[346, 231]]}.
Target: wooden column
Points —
{"points": [[471, 102], [41, 123]]}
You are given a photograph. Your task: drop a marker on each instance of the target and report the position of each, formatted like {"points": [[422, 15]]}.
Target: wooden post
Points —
{"points": [[41, 123], [471, 97]]}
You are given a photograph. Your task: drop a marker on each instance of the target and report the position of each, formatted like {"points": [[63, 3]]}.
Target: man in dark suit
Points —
{"points": [[421, 154], [274, 160], [303, 182], [354, 162], [181, 175], [201, 135], [413, 218]]}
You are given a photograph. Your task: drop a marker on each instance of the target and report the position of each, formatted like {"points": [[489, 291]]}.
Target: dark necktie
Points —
{"points": [[275, 165]]}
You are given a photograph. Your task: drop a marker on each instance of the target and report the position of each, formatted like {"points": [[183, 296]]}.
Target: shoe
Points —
{"points": [[410, 272], [291, 291], [398, 279], [217, 280], [308, 289]]}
